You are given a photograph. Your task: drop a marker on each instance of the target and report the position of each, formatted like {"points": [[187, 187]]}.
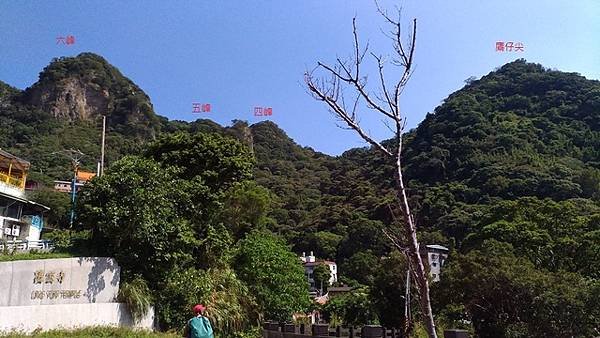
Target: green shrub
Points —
{"points": [[70, 241], [26, 256]]}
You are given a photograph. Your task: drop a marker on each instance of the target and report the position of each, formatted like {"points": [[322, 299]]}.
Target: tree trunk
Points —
{"points": [[415, 257]]}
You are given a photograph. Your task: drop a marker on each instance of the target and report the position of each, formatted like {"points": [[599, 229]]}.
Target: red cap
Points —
{"points": [[199, 308]]}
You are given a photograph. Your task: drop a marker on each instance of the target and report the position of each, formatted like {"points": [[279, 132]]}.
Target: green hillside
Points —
{"points": [[506, 172]]}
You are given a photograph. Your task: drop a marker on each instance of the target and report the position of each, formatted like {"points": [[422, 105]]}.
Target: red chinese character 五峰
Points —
{"points": [[196, 108], [60, 39], [268, 111], [258, 111], [519, 47], [509, 46], [70, 40], [499, 46], [206, 108]]}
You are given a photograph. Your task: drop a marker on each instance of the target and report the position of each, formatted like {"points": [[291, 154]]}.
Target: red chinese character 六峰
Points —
{"points": [[70, 39], [509, 46], [206, 108], [268, 111], [196, 108], [519, 47], [499, 46], [258, 111], [60, 39]]}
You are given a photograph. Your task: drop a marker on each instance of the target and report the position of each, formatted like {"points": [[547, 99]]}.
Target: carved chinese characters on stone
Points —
{"points": [[52, 277]]}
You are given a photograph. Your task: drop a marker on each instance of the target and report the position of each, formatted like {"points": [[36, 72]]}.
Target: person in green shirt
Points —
{"points": [[199, 326]]}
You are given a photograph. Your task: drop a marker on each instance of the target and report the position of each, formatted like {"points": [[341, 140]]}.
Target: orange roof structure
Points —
{"points": [[85, 176]]}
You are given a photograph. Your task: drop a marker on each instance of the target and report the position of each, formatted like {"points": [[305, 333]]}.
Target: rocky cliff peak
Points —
{"points": [[87, 86]]}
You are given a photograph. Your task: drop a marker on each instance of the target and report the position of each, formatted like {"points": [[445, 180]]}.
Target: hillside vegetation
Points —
{"points": [[505, 172]]}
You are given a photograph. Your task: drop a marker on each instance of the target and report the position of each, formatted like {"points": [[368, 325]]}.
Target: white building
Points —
{"points": [[20, 218], [436, 257], [310, 262]]}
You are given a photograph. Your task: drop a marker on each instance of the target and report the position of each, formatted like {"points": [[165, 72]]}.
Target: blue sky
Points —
{"points": [[236, 55]]}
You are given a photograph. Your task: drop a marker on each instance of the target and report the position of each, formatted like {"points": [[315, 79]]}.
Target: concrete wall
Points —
{"points": [[11, 190], [59, 281], [26, 319]]}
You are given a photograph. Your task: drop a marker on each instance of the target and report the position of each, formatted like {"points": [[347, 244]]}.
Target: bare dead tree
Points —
{"points": [[330, 84]]}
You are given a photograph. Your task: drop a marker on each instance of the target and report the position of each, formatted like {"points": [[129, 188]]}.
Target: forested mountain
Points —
{"points": [[506, 172]]}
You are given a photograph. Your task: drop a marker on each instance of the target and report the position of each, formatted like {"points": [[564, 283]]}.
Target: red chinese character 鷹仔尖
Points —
{"points": [[519, 47], [499, 46], [509, 46]]}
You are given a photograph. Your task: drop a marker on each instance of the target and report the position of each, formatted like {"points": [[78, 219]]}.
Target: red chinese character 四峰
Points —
{"points": [[206, 108], [70, 40], [268, 111], [519, 47], [499, 46], [196, 108], [258, 111], [60, 39], [509, 46]]}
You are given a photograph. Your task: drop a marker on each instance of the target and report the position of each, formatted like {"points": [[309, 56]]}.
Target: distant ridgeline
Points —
{"points": [[513, 156]]}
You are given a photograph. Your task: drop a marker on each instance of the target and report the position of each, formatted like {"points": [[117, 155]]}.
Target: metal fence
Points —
{"points": [[276, 330]]}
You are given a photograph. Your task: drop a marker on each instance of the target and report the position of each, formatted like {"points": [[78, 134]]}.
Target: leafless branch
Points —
{"points": [[323, 94]]}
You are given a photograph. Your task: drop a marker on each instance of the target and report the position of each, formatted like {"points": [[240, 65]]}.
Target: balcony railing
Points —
{"points": [[11, 180], [25, 245]]}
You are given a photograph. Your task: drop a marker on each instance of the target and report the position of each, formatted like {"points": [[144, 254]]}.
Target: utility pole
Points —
{"points": [[101, 172], [73, 193], [75, 156]]}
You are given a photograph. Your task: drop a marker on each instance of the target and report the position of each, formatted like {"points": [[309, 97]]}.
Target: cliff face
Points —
{"points": [[84, 87], [70, 99]]}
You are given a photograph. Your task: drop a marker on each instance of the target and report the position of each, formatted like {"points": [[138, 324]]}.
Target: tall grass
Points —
{"points": [[136, 294]]}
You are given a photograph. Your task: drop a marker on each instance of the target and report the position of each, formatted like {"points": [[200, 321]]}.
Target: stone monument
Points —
{"points": [[62, 293]]}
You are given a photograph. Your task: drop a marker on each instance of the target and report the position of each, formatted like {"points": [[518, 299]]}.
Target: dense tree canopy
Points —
{"points": [[138, 215], [506, 296]]}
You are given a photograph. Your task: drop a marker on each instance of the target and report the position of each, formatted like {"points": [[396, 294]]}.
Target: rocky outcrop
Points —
{"points": [[84, 87], [70, 99]]}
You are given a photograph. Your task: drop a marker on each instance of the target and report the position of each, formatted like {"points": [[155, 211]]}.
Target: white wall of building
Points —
{"points": [[436, 258], [11, 190]]}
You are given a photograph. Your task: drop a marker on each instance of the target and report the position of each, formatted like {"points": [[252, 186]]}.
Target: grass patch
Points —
{"points": [[25, 256], [96, 332]]}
